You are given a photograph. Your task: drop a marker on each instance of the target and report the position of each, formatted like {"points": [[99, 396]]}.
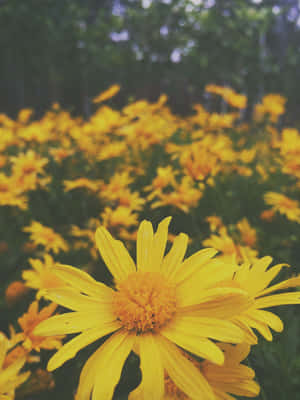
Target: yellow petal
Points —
{"points": [[250, 337], [172, 261], [152, 385], [272, 320], [201, 347], [278, 299], [260, 265], [292, 282], [159, 243], [261, 327], [107, 94], [219, 302], [220, 395], [70, 349], [248, 388], [193, 264], [4, 345], [71, 322], [114, 254], [238, 353], [204, 327], [183, 373], [87, 377], [110, 361], [81, 280], [263, 280], [208, 277], [69, 298], [144, 246]]}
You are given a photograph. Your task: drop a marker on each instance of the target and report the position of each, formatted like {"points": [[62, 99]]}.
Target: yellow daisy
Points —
{"points": [[284, 205], [46, 236], [41, 276], [30, 320], [230, 378], [161, 303], [255, 279]]}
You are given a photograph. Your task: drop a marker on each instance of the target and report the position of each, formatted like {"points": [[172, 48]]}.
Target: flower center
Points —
{"points": [[144, 302]]}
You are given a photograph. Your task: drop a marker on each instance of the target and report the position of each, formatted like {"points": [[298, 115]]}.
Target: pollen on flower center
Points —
{"points": [[144, 302]]}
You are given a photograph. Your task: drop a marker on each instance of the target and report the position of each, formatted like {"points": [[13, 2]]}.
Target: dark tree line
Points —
{"points": [[67, 51]]}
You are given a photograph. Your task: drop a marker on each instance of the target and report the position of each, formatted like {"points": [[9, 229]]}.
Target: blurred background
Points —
{"points": [[67, 51]]}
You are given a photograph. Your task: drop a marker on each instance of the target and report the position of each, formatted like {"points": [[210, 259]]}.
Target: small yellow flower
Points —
{"points": [[11, 194], [41, 276], [27, 167], [267, 215], [30, 320], [45, 236], [284, 205], [248, 234], [120, 217], [215, 223]]}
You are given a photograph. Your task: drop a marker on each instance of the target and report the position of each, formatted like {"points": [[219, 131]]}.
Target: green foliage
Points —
{"points": [[65, 51]]}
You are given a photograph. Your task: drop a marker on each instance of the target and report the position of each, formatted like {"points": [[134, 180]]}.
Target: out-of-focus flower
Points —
{"points": [[267, 215], [215, 223], [183, 196], [248, 234], [272, 104], [284, 205], [46, 236], [41, 276], [14, 292], [229, 95], [120, 217], [30, 320]]}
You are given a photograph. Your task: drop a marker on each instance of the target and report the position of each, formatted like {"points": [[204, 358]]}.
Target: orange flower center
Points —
{"points": [[144, 302]]}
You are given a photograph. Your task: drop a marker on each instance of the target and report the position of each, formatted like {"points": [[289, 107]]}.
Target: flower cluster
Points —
{"points": [[231, 184]]}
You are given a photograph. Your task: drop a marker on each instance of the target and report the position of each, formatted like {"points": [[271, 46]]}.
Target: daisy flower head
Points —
{"points": [[256, 278], [30, 320], [157, 306], [231, 378], [41, 276], [284, 205], [46, 236]]}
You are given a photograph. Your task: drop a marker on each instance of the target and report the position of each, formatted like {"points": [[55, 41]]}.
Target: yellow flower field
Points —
{"points": [[166, 243]]}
